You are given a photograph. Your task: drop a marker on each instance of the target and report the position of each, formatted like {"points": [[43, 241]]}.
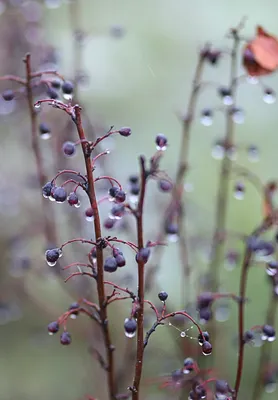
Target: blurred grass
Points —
{"points": [[142, 80]]}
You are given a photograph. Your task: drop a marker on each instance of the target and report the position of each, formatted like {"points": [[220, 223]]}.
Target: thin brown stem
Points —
{"points": [[141, 287], [242, 294], [100, 275], [265, 354], [224, 179], [49, 228]]}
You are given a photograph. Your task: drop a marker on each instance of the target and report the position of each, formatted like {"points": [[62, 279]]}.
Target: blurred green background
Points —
{"points": [[135, 63]]}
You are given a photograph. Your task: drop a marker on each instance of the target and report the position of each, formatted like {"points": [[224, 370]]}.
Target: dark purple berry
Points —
{"points": [[130, 325], [164, 185], [110, 264], [89, 212], [120, 260], [125, 131], [203, 337], [120, 196], [109, 223], [113, 191], [53, 327], [67, 87], [171, 228], [56, 84], [52, 255], [206, 348], [248, 336], [143, 255], [65, 338], [46, 190], [59, 194], [204, 300], [69, 149], [269, 331], [44, 129], [117, 211], [224, 92], [161, 141], [189, 364], [177, 375], [74, 307], [8, 95], [211, 55], [163, 296], [51, 93], [135, 189], [73, 199], [205, 314], [133, 179], [221, 387]]}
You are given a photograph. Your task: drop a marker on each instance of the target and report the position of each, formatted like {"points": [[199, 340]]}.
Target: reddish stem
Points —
{"points": [[100, 275], [141, 286], [49, 228]]}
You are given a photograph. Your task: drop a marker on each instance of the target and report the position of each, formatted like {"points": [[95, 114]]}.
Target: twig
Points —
{"points": [[141, 284], [224, 179], [265, 353], [242, 291], [100, 275]]}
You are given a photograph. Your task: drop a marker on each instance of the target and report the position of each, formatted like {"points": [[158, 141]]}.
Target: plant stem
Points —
{"points": [[242, 295], [265, 354], [224, 179], [49, 228], [100, 274], [181, 172], [141, 288]]}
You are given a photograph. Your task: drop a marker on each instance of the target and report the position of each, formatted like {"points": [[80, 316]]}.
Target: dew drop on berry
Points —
{"points": [[67, 97], [269, 96], [227, 100], [45, 135], [206, 120], [51, 264], [270, 387], [37, 106], [253, 80], [173, 237], [130, 334], [73, 316], [218, 152], [78, 204], [182, 334]]}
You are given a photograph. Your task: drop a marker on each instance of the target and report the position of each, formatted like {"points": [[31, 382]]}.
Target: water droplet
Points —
{"points": [[253, 153], [37, 106], [228, 100], [206, 120], [269, 96], [238, 116], [73, 316], [161, 148], [52, 4], [218, 152], [51, 198], [50, 333], [130, 335], [270, 387], [77, 205], [45, 136], [270, 271], [271, 339], [182, 334], [222, 313], [253, 80], [60, 253], [173, 238], [205, 354], [89, 219], [45, 196], [51, 264], [133, 199], [238, 195], [67, 97]]}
